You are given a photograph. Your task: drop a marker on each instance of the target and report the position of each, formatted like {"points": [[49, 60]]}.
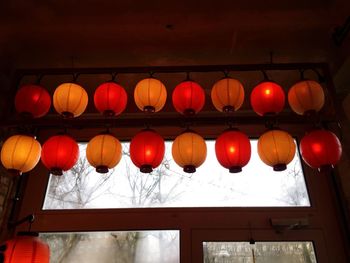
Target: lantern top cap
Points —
{"points": [[28, 233]]}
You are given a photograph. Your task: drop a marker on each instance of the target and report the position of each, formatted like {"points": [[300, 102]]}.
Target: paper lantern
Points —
{"points": [[70, 100], [276, 148], [306, 96], [26, 247], [110, 99], [233, 150], [147, 150], [188, 98], [150, 95], [32, 101], [320, 149], [59, 153], [189, 151], [267, 98], [227, 95], [20, 153], [104, 152]]}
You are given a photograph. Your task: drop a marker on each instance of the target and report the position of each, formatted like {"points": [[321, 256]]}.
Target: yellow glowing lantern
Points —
{"points": [[276, 148], [20, 153], [306, 96], [70, 100], [189, 151], [103, 152], [227, 95], [150, 95]]}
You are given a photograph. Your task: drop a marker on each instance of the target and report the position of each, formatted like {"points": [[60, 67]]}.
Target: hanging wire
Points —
{"points": [[75, 76], [39, 78], [114, 75], [266, 77], [188, 76], [226, 73]]}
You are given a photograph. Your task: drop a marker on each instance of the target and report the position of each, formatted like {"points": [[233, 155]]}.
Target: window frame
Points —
{"points": [[322, 213]]}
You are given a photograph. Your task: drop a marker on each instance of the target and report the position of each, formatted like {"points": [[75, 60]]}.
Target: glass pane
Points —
{"points": [[260, 252], [114, 247], [169, 186]]}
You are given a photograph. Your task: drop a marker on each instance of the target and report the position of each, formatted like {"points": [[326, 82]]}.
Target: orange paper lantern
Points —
{"points": [[20, 153], [189, 151], [227, 95], [104, 152], [276, 148], [70, 100], [150, 95], [306, 96]]}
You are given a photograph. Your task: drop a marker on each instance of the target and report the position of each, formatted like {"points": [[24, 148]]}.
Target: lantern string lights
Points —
{"points": [[275, 147]]}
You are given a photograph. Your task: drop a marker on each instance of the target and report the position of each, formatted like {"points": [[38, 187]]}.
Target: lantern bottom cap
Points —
{"points": [[14, 172], [189, 168], [56, 171], [235, 169], [228, 108], [325, 168], [279, 167], [146, 168], [149, 109], [67, 115], [102, 169], [26, 115], [189, 112], [108, 113]]}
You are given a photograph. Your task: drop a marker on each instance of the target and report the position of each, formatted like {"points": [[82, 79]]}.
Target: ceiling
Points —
{"points": [[104, 33]]}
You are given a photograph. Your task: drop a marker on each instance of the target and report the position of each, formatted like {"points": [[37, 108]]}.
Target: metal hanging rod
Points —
{"points": [[173, 69]]}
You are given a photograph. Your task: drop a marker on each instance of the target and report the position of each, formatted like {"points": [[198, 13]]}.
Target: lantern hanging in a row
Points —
{"points": [[104, 152], [267, 98], [305, 97], [188, 97], [70, 100], [233, 150], [32, 101], [110, 99], [320, 149], [59, 153], [189, 151], [26, 247], [227, 95], [20, 153], [150, 95], [276, 148], [147, 150]]}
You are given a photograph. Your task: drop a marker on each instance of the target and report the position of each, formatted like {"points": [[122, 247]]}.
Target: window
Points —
{"points": [[114, 247], [260, 252], [168, 186]]}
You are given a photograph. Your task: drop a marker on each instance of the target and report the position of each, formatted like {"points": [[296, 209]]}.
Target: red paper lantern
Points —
{"points": [[188, 97], [32, 100], [233, 150], [110, 98], [147, 150], [26, 247], [267, 98], [59, 153], [320, 149]]}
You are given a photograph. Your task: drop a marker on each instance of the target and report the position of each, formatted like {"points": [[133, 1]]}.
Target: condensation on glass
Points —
{"points": [[114, 247], [260, 252], [168, 186]]}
